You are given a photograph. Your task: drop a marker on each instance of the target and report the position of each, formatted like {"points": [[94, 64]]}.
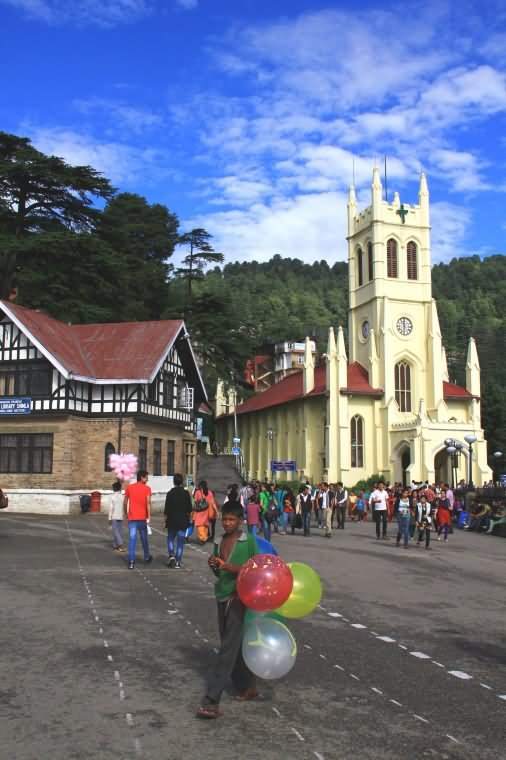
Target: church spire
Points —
{"points": [[473, 384], [308, 373], [423, 199], [376, 192], [352, 207]]}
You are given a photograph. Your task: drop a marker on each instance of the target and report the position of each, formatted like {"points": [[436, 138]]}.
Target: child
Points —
{"points": [[423, 521], [234, 550], [116, 518], [253, 511], [403, 518]]}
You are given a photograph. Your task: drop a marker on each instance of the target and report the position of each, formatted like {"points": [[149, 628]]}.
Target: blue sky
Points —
{"points": [[245, 116]]}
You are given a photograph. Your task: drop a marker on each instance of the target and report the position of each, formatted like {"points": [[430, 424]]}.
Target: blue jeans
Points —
{"points": [[403, 530], [266, 527], [252, 529], [117, 533], [133, 527], [179, 537], [306, 522]]}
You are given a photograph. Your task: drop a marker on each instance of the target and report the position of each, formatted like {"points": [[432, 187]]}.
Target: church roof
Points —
{"points": [[454, 391], [108, 352], [291, 388]]}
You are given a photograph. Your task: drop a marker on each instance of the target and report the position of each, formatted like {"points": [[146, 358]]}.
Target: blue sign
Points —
{"points": [[15, 405], [236, 451], [282, 465]]}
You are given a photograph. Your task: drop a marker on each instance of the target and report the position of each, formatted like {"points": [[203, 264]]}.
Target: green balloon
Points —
{"points": [[306, 593]]}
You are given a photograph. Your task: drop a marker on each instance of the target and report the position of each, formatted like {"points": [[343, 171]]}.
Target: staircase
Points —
{"points": [[219, 472]]}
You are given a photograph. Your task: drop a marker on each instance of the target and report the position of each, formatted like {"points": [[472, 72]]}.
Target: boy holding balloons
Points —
{"points": [[235, 549]]}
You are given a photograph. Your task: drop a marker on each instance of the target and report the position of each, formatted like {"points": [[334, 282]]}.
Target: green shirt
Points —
{"points": [[265, 498], [245, 547]]}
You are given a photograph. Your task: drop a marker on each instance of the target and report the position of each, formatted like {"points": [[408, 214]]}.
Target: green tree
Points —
{"points": [[40, 193], [200, 254]]}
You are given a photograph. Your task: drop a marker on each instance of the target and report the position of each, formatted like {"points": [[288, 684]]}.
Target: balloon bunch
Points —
{"points": [[123, 465], [273, 590]]}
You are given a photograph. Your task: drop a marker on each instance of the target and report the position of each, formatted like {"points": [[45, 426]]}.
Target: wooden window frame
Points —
{"points": [[403, 386], [370, 261], [357, 441], [392, 259], [171, 457], [157, 456], [360, 266], [412, 260], [143, 452], [29, 455]]}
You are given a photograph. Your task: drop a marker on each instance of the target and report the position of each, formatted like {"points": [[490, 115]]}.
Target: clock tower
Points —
{"points": [[393, 326]]}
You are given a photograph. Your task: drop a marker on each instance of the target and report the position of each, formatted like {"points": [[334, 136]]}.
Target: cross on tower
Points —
{"points": [[403, 212]]}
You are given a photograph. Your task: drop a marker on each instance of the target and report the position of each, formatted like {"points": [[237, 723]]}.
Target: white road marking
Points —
{"points": [[318, 756], [373, 633], [376, 691], [502, 696], [109, 658], [275, 710], [297, 734], [395, 702], [307, 646], [485, 686], [401, 646], [419, 717], [452, 738], [420, 655], [352, 675], [439, 664], [346, 620], [388, 639], [172, 612], [460, 674], [138, 748], [121, 694], [334, 614], [323, 657], [129, 719], [340, 668], [116, 675], [358, 625]]}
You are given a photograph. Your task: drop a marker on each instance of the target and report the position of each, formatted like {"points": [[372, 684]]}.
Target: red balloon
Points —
{"points": [[264, 583]]}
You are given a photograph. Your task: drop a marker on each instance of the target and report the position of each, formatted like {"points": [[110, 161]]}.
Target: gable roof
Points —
{"points": [[102, 353], [454, 391]]}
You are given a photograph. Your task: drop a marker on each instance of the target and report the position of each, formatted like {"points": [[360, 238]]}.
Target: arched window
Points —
{"points": [[109, 449], [403, 386], [370, 261], [360, 266], [357, 441], [392, 270], [411, 254]]}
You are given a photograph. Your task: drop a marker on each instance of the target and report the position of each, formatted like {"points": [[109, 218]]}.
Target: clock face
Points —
{"points": [[404, 326], [365, 329]]}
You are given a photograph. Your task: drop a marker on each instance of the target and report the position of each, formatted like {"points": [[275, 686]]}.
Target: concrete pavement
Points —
{"points": [[405, 659]]}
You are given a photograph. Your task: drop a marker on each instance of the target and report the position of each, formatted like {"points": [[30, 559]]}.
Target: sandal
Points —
{"points": [[246, 696], [208, 712]]}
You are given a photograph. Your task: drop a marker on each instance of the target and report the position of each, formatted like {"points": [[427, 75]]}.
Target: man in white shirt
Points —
{"points": [[325, 505], [379, 503]]}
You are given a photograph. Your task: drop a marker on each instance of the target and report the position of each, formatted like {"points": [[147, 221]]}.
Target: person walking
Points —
{"points": [[137, 507], [306, 505], [178, 510], [116, 517], [341, 502], [325, 507], [444, 516], [403, 510], [423, 521], [379, 501], [203, 500]]}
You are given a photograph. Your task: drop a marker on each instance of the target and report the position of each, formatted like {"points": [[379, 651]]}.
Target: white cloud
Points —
{"points": [[121, 163], [131, 118], [95, 12], [450, 229]]}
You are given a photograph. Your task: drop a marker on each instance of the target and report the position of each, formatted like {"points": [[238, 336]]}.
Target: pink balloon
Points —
{"points": [[264, 583]]}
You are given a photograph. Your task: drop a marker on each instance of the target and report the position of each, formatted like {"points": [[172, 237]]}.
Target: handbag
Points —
{"points": [[298, 520]]}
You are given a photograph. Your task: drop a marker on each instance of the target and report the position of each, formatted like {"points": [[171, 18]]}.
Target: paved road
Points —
{"points": [[405, 659]]}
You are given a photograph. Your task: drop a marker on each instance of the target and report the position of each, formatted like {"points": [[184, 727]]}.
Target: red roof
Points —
{"points": [[291, 388], [358, 382], [453, 391], [115, 351]]}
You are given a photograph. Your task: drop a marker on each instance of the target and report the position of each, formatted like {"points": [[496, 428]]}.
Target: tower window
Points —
{"points": [[370, 261], [392, 270], [357, 441], [403, 386], [360, 266], [411, 254], [109, 449]]}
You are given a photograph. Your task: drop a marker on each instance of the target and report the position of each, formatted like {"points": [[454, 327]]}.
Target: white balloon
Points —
{"points": [[268, 648]]}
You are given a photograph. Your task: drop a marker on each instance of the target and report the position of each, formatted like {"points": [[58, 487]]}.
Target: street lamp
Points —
{"points": [[470, 439], [453, 448], [497, 456], [270, 437]]}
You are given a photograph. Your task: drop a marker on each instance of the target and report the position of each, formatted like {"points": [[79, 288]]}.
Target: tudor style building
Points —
{"points": [[70, 395], [387, 405]]}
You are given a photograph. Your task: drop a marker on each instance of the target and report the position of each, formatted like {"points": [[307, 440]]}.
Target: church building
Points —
{"points": [[385, 403]]}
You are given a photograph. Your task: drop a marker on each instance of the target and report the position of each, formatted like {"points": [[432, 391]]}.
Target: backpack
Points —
{"points": [[201, 505], [271, 512], [4, 500]]}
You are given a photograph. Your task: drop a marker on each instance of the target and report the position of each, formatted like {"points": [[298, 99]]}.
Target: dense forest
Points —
{"points": [[72, 245]]}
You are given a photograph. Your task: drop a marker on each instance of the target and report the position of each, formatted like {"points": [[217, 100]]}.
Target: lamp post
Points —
{"points": [[453, 448], [270, 437], [470, 439], [497, 456]]}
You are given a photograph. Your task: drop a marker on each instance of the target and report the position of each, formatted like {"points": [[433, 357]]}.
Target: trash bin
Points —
{"points": [[95, 501], [85, 502]]}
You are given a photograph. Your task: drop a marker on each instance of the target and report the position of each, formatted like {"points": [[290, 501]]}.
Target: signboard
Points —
{"points": [[236, 451], [22, 405], [283, 465]]}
